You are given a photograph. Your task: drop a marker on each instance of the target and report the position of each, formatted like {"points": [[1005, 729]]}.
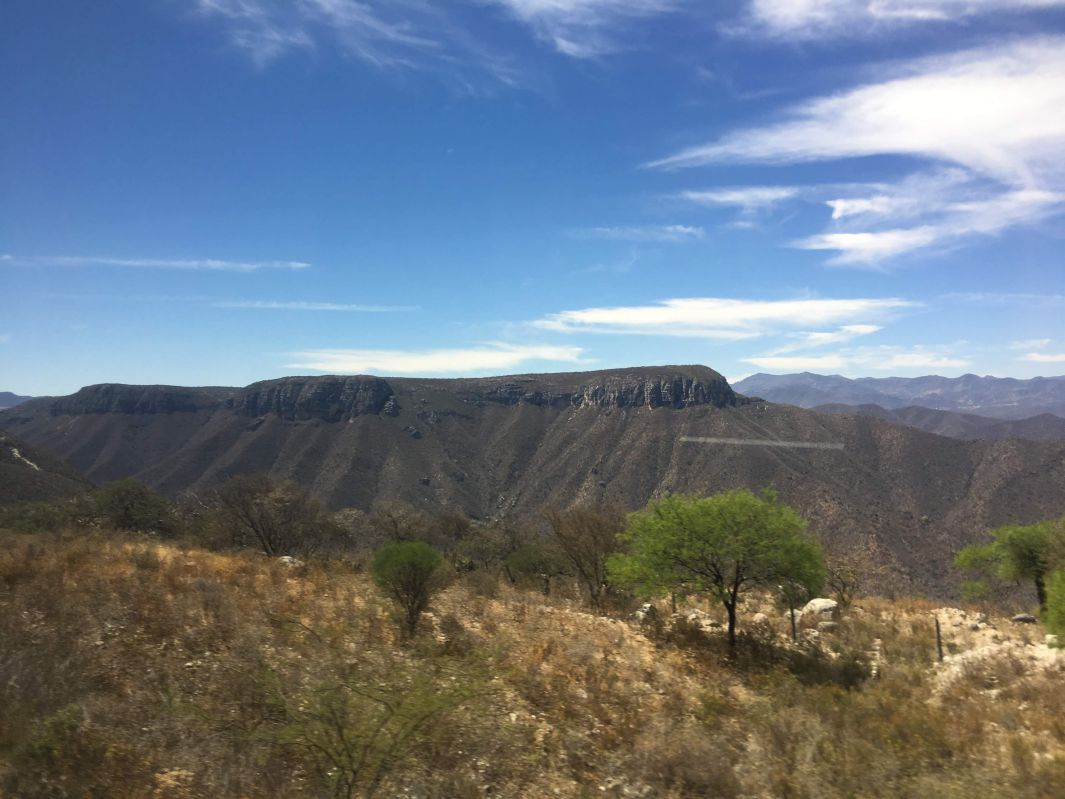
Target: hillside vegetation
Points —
{"points": [[517, 445], [134, 667]]}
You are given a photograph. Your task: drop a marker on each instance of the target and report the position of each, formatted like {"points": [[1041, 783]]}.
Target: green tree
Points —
{"points": [[131, 505], [719, 546], [411, 573], [1055, 613], [1016, 553]]}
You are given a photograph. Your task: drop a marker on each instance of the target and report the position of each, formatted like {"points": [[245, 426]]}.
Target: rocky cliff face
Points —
{"points": [[335, 399], [119, 398], [670, 387], [332, 399]]}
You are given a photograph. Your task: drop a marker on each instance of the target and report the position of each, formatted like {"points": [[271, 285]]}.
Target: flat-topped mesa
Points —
{"points": [[330, 398], [121, 398], [648, 387]]}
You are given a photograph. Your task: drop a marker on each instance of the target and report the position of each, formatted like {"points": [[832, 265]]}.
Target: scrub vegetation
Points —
{"points": [[174, 662]]}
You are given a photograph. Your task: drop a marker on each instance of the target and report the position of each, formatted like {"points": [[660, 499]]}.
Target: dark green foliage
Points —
{"points": [[1016, 553], [720, 546], [410, 572], [130, 505], [539, 562], [1055, 612]]}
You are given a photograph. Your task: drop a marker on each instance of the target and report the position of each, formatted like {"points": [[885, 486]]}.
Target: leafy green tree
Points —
{"points": [[1055, 613], [1017, 553], [411, 573], [131, 505], [719, 546]]}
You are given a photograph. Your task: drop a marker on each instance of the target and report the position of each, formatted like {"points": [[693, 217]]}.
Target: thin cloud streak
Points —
{"points": [[885, 359], [585, 28], [647, 233], [1045, 357], [194, 264], [267, 305], [720, 318], [792, 19], [489, 357]]}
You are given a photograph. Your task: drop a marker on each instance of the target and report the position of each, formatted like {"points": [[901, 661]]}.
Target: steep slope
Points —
{"points": [[29, 475], [524, 443], [9, 400], [1000, 397], [1045, 427]]}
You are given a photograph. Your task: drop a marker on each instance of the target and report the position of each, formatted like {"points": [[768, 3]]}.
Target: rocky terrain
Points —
{"points": [[999, 397], [518, 445]]}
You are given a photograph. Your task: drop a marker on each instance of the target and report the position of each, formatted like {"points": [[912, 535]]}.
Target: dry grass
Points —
{"points": [[134, 669]]}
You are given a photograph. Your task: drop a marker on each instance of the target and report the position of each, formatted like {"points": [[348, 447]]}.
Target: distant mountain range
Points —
{"points": [[9, 400], [523, 444], [998, 397]]}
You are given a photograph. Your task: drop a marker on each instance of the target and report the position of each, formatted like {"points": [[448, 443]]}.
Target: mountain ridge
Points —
{"points": [[997, 397], [522, 444]]}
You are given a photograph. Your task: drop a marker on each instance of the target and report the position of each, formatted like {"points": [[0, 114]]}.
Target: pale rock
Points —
{"points": [[823, 607]]}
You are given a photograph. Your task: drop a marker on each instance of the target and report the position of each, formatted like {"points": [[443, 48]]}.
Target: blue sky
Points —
{"points": [[222, 191]]}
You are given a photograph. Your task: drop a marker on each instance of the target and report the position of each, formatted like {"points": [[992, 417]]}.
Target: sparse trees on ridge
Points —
{"points": [[720, 546]]}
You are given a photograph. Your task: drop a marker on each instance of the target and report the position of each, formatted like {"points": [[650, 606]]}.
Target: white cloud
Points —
{"points": [[205, 264], [809, 340], [664, 233], [749, 199], [267, 305], [584, 28], [885, 358], [491, 357], [953, 222], [719, 318], [807, 19], [998, 111], [1045, 357], [1030, 344], [997, 114]]}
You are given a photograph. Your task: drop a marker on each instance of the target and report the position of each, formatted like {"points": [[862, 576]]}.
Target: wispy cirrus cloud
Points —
{"points": [[193, 264], [746, 198], [270, 305], [996, 114], [642, 233], [814, 19], [885, 358], [471, 360], [721, 318], [812, 339], [387, 34], [585, 28]]}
